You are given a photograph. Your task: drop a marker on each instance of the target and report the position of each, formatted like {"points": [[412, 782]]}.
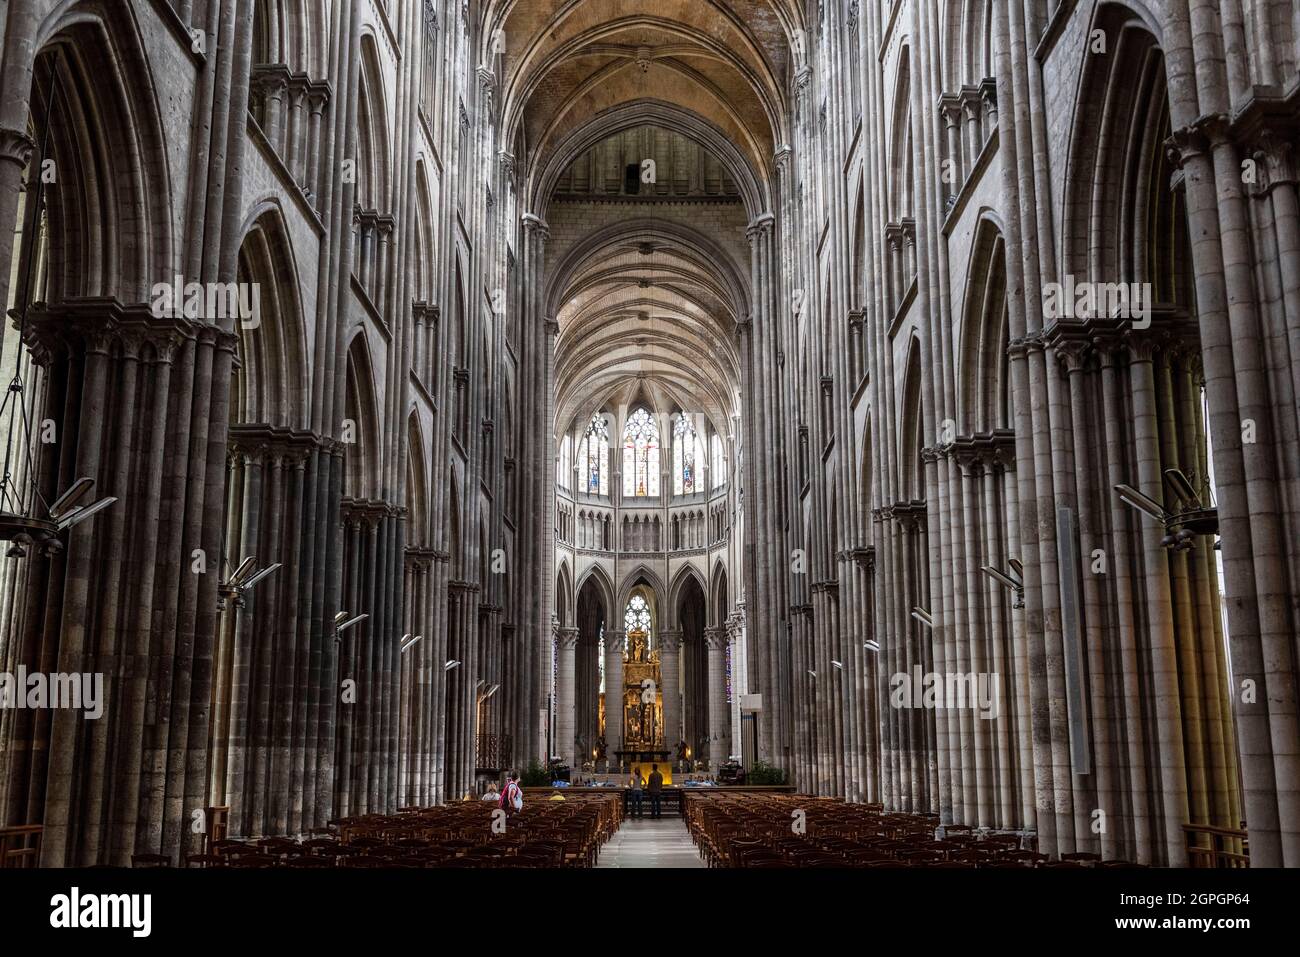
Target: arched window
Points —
{"points": [[688, 456], [566, 462], [593, 457], [641, 455], [718, 467], [637, 616]]}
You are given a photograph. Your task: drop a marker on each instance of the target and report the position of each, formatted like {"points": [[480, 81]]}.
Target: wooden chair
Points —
{"points": [[20, 846]]}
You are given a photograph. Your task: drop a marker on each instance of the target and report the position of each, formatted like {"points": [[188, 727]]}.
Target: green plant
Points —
{"points": [[760, 772], [535, 776]]}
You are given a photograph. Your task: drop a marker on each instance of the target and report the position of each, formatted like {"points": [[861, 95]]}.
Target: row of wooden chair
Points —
{"points": [[544, 834], [804, 831]]}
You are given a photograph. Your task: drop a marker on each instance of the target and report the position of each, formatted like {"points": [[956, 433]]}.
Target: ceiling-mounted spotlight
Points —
{"points": [[837, 664], [1143, 503], [1182, 487], [257, 577], [75, 493], [1196, 516], [1013, 580], [243, 571], [408, 642], [923, 616], [241, 580], [342, 623], [79, 515], [871, 644], [450, 665], [814, 675]]}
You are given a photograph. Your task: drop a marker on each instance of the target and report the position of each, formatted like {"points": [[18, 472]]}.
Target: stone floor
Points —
{"points": [[643, 842]]}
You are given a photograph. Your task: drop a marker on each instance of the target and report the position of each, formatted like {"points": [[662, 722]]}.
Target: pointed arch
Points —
{"points": [[982, 369], [911, 439], [271, 382], [109, 231], [425, 254], [685, 574], [1122, 221], [564, 595], [373, 151], [720, 598], [417, 483], [362, 456], [640, 574], [455, 521], [858, 286], [900, 141], [597, 578]]}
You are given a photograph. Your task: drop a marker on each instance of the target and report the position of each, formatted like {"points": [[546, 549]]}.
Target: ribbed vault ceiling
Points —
{"points": [[646, 318], [644, 313], [563, 63]]}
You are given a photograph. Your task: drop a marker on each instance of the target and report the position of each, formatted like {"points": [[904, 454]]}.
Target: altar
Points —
{"points": [[643, 712]]}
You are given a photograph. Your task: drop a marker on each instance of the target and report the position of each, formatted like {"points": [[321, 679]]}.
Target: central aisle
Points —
{"points": [[642, 842]]}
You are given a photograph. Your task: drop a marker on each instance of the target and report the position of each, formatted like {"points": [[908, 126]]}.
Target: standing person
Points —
{"points": [[512, 796], [636, 792], [491, 794], [655, 787]]}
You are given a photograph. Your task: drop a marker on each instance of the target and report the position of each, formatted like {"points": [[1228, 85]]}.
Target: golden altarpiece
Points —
{"points": [[642, 701]]}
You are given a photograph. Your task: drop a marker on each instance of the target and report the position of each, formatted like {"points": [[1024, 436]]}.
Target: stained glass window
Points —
{"points": [[641, 455], [593, 457], [688, 457], [637, 615]]}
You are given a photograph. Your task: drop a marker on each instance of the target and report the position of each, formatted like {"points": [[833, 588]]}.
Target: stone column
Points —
{"points": [[614, 693], [670, 664], [719, 734], [950, 105], [735, 626], [567, 641]]}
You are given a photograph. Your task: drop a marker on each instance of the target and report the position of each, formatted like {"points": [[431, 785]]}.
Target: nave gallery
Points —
{"points": [[776, 432]]}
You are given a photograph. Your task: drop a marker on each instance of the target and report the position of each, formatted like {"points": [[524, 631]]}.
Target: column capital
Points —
{"points": [[950, 107], [1073, 354], [535, 224], [16, 146], [763, 224], [1277, 157], [670, 640]]}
